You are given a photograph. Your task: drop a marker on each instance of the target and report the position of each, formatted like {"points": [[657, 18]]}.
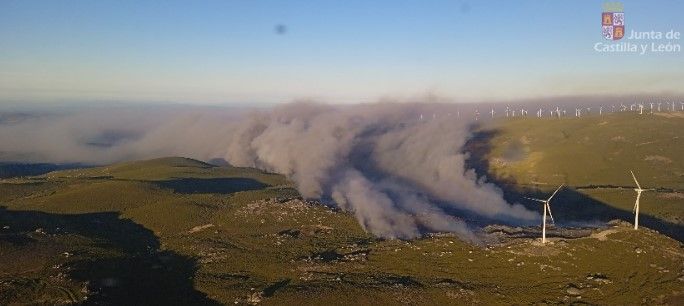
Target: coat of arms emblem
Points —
{"points": [[613, 21]]}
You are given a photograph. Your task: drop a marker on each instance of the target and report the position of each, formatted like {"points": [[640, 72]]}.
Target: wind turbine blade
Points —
{"points": [[554, 193], [548, 207], [533, 199], [635, 180], [635, 205]]}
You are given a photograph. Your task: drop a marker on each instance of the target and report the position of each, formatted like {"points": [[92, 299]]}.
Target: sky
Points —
{"points": [[260, 52]]}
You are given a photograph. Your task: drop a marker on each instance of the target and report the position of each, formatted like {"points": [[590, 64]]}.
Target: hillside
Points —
{"points": [[8, 170], [592, 156], [176, 230], [594, 150]]}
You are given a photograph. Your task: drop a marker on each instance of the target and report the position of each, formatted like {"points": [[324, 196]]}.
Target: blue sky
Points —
{"points": [[215, 52]]}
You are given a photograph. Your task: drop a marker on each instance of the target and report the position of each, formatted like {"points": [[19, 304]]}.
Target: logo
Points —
{"points": [[613, 21], [637, 41]]}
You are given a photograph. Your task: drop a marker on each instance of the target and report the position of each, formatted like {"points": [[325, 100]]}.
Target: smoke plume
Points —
{"points": [[399, 168]]}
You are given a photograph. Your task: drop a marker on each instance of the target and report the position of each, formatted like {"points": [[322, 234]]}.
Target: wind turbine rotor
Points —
{"points": [[533, 199], [554, 193], [550, 215], [635, 180]]}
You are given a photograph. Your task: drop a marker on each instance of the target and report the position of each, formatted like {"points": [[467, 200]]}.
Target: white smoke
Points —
{"points": [[401, 176], [397, 173]]}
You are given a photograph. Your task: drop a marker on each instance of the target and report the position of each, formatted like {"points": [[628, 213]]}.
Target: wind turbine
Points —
{"points": [[682, 103], [641, 109], [578, 112], [638, 190], [507, 111], [523, 112], [547, 207], [601, 110], [558, 111], [492, 112], [659, 105], [651, 107], [539, 113]]}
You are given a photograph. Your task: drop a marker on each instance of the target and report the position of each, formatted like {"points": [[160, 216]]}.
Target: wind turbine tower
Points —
{"points": [[638, 190], [547, 208]]}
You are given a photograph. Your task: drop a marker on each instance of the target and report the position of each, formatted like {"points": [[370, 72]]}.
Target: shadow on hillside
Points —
{"points": [[214, 185], [569, 207], [17, 169], [121, 261]]}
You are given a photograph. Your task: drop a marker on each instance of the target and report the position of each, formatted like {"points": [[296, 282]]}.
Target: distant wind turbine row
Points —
{"points": [[558, 112]]}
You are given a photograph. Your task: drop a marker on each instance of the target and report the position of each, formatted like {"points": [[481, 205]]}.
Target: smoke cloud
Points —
{"points": [[400, 175]]}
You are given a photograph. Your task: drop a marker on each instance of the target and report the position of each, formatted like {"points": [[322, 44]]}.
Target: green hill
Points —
{"points": [[589, 151], [179, 231], [593, 157]]}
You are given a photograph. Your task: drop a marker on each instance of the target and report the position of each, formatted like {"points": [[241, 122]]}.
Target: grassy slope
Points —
{"points": [[593, 150], [139, 232], [600, 151]]}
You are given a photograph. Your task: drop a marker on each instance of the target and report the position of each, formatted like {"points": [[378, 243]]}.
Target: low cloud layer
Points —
{"points": [[400, 174]]}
